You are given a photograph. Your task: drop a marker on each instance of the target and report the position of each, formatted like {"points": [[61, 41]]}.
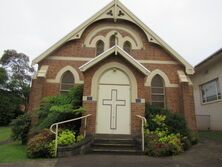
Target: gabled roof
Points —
{"points": [[115, 50], [116, 10]]}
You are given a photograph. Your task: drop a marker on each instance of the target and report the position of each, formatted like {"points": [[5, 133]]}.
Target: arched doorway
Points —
{"points": [[113, 106]]}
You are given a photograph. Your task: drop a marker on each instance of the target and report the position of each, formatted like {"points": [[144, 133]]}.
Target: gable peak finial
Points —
{"points": [[116, 1]]}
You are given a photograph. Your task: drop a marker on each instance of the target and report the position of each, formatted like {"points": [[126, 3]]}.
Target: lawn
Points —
{"points": [[212, 135], [5, 133], [12, 151]]}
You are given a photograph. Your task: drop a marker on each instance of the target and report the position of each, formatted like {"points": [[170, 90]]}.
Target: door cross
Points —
{"points": [[113, 103]]}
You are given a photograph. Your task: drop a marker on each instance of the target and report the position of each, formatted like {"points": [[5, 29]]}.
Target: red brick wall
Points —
{"points": [[136, 108], [88, 75], [36, 94], [187, 104], [75, 48]]}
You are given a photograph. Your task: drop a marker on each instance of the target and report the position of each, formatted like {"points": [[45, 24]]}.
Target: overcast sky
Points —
{"points": [[192, 27]]}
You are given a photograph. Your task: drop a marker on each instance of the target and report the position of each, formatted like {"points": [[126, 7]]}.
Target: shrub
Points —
{"points": [[160, 142], [186, 143], [60, 108], [193, 137], [153, 147], [37, 146], [75, 96], [66, 137], [20, 128], [167, 132], [79, 138], [58, 116], [72, 100], [175, 121]]}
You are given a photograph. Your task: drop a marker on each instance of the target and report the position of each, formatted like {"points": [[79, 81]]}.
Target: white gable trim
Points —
{"points": [[115, 49], [136, 38], [115, 7]]}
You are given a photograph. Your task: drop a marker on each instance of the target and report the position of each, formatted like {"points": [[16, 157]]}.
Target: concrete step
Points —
{"points": [[114, 144], [116, 151]]}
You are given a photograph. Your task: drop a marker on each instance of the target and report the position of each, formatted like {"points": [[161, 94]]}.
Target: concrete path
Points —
{"points": [[205, 154]]}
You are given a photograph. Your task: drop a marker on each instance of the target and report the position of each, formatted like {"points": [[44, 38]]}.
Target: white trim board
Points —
{"points": [[115, 49], [84, 59]]}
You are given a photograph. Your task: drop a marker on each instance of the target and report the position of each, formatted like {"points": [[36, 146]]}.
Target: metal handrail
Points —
{"points": [[62, 122], [143, 119]]}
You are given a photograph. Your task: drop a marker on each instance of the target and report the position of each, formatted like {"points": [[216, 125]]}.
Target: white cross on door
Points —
{"points": [[113, 103]]}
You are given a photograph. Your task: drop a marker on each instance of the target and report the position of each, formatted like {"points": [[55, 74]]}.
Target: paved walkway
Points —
{"points": [[205, 154]]}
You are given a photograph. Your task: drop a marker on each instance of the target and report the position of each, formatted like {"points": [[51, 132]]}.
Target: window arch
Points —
{"points": [[67, 82], [112, 41], [99, 47], [158, 91], [127, 46]]}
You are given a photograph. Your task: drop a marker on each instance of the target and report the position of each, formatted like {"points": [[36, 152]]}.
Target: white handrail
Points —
{"points": [[143, 119], [62, 122]]}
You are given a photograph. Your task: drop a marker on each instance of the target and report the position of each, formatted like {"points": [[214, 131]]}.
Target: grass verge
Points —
{"points": [[213, 135], [12, 152], [5, 133]]}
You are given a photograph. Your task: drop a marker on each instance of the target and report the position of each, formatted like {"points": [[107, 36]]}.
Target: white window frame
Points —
{"points": [[204, 100], [158, 94]]}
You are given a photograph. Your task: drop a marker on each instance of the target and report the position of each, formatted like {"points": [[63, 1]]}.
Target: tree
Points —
{"points": [[3, 76], [19, 72]]}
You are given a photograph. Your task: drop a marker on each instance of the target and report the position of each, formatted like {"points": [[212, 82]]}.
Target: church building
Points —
{"points": [[123, 65]]}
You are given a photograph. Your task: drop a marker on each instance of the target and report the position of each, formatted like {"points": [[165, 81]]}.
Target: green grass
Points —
{"points": [[12, 152], [213, 135], [5, 133]]}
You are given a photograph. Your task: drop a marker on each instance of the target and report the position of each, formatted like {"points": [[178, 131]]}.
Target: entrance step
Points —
{"points": [[115, 144]]}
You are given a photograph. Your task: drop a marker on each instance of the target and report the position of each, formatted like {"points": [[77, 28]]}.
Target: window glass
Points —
{"points": [[210, 91], [112, 41], [127, 47], [99, 47], [67, 81], [157, 92]]}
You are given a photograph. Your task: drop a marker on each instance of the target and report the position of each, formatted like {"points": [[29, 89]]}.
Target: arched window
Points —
{"points": [[67, 82], [112, 41], [127, 46], [158, 91], [99, 47]]}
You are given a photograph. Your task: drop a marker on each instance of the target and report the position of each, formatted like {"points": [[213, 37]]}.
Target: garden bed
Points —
{"points": [[74, 149]]}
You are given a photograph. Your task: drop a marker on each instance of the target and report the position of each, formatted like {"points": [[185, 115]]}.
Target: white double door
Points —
{"points": [[113, 110]]}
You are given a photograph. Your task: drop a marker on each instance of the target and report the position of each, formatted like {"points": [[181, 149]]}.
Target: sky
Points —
{"points": [[191, 27]]}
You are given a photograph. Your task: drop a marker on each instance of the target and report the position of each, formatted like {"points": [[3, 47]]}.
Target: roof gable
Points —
{"points": [[116, 10], [115, 49]]}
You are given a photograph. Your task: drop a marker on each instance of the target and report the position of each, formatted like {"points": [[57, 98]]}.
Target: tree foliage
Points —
{"points": [[15, 79], [18, 70], [3, 76], [9, 107], [20, 128], [61, 107]]}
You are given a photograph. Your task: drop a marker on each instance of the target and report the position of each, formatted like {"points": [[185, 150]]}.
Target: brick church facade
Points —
{"points": [[122, 65]]}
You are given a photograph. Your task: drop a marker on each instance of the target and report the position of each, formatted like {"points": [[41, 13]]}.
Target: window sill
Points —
{"points": [[210, 102]]}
